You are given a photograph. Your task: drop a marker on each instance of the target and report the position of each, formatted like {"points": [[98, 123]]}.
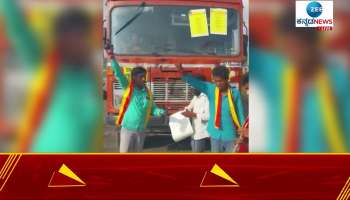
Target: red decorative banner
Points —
{"points": [[175, 176]]}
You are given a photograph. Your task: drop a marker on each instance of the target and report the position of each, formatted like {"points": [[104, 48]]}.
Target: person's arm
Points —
{"points": [[202, 86], [264, 64], [340, 80], [239, 106], [344, 112], [157, 112], [119, 74], [242, 132], [204, 114], [339, 76], [190, 106], [24, 42]]}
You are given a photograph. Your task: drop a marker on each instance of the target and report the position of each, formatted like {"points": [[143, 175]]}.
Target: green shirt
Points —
{"points": [[134, 117], [227, 130], [74, 114]]}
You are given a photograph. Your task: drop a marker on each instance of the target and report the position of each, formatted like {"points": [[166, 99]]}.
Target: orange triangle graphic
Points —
{"points": [[217, 177], [65, 177]]}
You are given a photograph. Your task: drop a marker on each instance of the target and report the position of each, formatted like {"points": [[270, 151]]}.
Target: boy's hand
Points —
{"points": [[110, 55], [160, 112], [243, 132], [163, 112], [179, 68], [189, 114]]}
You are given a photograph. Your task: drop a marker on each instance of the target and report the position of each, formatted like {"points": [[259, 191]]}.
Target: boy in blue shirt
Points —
{"points": [[225, 107]]}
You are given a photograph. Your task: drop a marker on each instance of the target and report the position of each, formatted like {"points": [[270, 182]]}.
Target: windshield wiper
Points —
{"points": [[141, 8]]}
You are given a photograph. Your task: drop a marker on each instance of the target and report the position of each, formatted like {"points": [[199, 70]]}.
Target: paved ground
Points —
{"points": [[158, 138], [157, 141]]}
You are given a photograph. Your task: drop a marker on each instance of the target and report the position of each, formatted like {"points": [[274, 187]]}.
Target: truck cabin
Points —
{"points": [[157, 36]]}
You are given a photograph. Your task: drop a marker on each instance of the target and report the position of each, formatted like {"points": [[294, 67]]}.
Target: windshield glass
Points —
{"points": [[165, 30]]}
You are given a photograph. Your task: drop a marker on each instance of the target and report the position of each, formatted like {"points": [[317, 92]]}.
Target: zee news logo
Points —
{"points": [[314, 9], [314, 14]]}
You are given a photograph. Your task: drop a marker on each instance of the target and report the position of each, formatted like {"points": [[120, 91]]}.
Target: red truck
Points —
{"points": [[155, 34]]}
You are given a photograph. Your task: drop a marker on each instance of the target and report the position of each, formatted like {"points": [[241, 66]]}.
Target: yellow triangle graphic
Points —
{"points": [[221, 173], [69, 173]]}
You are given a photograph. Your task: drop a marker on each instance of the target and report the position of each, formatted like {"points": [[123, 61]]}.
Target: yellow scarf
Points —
{"points": [[218, 102], [39, 97], [333, 132], [126, 102]]}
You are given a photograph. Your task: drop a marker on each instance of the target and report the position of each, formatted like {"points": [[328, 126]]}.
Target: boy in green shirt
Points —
{"points": [[136, 108], [69, 117], [225, 108]]}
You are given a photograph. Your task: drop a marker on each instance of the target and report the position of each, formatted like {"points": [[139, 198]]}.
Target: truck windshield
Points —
{"points": [[165, 30]]}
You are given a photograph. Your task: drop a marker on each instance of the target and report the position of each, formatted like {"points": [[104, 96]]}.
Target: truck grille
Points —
{"points": [[117, 93], [170, 90], [164, 90], [116, 85], [158, 87]]}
